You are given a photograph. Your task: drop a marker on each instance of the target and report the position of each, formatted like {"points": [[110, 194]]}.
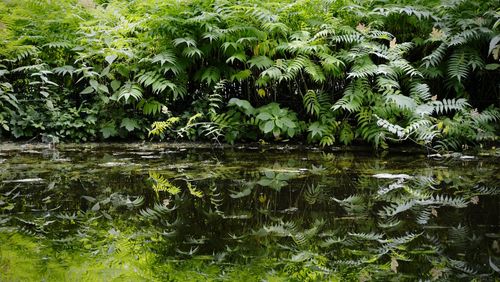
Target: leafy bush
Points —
{"points": [[85, 70]]}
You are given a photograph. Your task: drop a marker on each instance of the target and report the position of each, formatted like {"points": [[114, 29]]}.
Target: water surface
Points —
{"points": [[175, 213]]}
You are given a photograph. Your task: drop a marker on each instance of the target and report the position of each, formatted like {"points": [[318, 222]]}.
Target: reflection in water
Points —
{"points": [[156, 213]]}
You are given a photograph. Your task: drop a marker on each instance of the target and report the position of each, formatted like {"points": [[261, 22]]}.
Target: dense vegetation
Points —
{"points": [[325, 72]]}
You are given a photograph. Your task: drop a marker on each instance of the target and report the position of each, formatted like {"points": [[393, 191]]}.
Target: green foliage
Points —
{"points": [[280, 122], [78, 71], [200, 213]]}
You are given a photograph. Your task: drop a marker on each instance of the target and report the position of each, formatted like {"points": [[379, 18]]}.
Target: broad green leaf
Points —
{"points": [[316, 128], [248, 109], [264, 116], [94, 84], [276, 132], [96, 207], [109, 130], [279, 123], [288, 122], [129, 124], [492, 66], [110, 58], [115, 85], [103, 88], [493, 43], [269, 174], [87, 90], [49, 104], [269, 126], [105, 71], [265, 182]]}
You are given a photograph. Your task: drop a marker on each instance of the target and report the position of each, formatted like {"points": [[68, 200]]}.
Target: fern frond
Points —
{"points": [[395, 208], [331, 241], [210, 75], [398, 241], [420, 92], [449, 144], [195, 192], [387, 85], [150, 107], [157, 212], [260, 62], [392, 128], [465, 36], [161, 184], [239, 56], [401, 101], [58, 45], [369, 130], [157, 82], [192, 53], [188, 41], [276, 28], [368, 236], [447, 105], [313, 193], [164, 57], [353, 97], [311, 103], [25, 51], [436, 57], [314, 71], [458, 65], [159, 127], [331, 64], [129, 90], [444, 200], [406, 67], [64, 70], [459, 235], [363, 69], [273, 73], [348, 38], [487, 116], [423, 129]]}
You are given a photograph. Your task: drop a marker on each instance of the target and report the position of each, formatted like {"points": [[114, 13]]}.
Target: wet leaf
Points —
{"points": [[391, 176], [241, 194], [96, 207], [90, 199], [494, 266], [25, 180]]}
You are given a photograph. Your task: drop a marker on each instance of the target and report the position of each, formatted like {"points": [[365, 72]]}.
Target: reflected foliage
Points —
{"points": [[164, 213]]}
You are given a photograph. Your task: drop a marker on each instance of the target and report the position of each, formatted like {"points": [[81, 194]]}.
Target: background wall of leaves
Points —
{"points": [[326, 72]]}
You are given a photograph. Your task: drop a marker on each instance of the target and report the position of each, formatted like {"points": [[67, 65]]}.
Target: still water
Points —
{"points": [[149, 212]]}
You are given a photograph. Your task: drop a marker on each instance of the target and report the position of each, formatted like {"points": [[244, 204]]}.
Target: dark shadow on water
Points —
{"points": [[170, 212]]}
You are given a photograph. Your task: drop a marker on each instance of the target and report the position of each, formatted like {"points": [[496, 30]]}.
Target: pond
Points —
{"points": [[177, 212]]}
